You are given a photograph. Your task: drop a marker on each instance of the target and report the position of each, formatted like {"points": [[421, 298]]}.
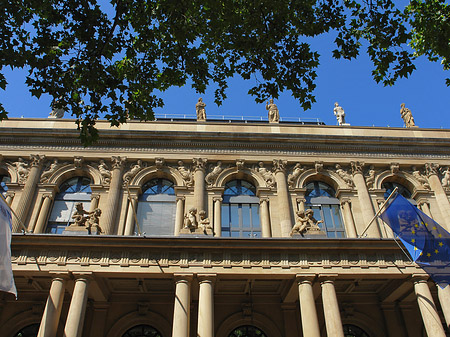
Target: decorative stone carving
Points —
{"points": [[204, 221], [190, 219], [22, 170], [318, 166], [159, 163], [85, 220], [194, 225], [51, 168], [344, 175], [79, 216], [431, 168], [36, 159], [118, 162], [340, 114], [407, 116], [296, 171], [420, 178], [215, 171], [446, 178], [240, 164], [104, 172], [305, 222], [134, 169], [200, 109], [78, 162], [357, 167], [370, 177], [92, 223], [395, 167], [265, 173], [199, 163], [186, 174], [279, 165], [274, 114]]}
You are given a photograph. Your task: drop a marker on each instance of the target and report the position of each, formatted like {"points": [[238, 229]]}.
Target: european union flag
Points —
{"points": [[425, 240]]}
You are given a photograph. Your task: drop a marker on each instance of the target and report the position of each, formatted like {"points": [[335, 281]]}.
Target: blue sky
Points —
{"points": [[350, 83]]}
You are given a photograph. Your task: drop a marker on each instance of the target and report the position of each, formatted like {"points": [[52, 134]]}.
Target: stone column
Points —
{"points": [[109, 215], [23, 206], [348, 218], [301, 204], [179, 216], [284, 207], [444, 299], [9, 197], [331, 308], [265, 217], [218, 217], [43, 214], [441, 196], [182, 305], [205, 326], [131, 214], [427, 308], [77, 309], [310, 323], [52, 311], [199, 183], [94, 201], [364, 199]]}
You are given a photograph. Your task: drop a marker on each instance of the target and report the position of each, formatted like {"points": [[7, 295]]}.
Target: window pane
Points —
{"points": [[327, 216], [234, 215], [235, 234], [336, 212], [156, 218], [255, 215], [245, 215]]}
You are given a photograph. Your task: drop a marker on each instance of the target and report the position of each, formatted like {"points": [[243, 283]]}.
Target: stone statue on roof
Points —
{"points": [[340, 114], [274, 114], [407, 116], [200, 109]]}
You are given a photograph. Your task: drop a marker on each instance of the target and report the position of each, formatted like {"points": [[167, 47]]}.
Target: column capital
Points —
{"points": [[419, 278], [327, 278], [95, 196], [345, 201], [36, 160], [431, 169], [199, 164], [82, 275], [118, 162], [183, 198], [263, 200], [209, 278], [357, 167], [63, 275], [279, 165], [305, 278], [183, 277], [47, 195], [219, 199]]}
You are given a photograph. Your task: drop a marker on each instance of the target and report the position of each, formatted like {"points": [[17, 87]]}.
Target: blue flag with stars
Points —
{"points": [[426, 241]]}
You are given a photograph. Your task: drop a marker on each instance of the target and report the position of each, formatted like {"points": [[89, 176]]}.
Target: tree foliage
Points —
{"points": [[111, 59]]}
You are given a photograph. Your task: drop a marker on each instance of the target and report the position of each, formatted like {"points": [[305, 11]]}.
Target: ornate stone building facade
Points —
{"points": [[195, 236]]}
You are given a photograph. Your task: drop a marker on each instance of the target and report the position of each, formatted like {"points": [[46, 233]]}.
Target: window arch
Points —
{"points": [[354, 331], [142, 330], [72, 191], [321, 198], [389, 186], [157, 207], [29, 331], [240, 210], [247, 331]]}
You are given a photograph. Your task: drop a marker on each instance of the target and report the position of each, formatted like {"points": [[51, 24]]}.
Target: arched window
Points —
{"points": [[4, 179], [74, 190], [247, 331], [142, 330], [390, 186], [354, 331], [28, 331], [321, 198], [157, 207], [240, 210]]}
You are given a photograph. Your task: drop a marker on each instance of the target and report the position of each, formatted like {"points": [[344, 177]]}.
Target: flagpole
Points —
{"points": [[18, 219], [379, 211]]}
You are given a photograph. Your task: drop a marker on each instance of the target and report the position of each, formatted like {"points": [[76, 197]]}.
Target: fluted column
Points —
{"points": [[427, 308], [441, 196], [43, 214], [179, 216], [265, 217], [348, 218], [310, 323], [331, 308], [109, 215], [218, 217], [182, 305], [52, 311], [94, 201], [27, 195], [205, 327], [284, 208], [364, 199], [199, 183], [131, 214], [444, 299], [77, 309]]}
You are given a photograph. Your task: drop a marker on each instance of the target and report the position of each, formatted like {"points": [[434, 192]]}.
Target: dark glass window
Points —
{"points": [[72, 191], [29, 331], [354, 331], [157, 207], [142, 331], [4, 179], [240, 210], [321, 198], [247, 331], [390, 186]]}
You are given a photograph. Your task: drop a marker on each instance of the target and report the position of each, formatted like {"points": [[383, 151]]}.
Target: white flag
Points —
{"points": [[6, 274]]}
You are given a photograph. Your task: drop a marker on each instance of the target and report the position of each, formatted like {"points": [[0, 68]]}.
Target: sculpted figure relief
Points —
{"points": [[339, 113], [407, 116], [104, 172], [21, 169], [190, 219], [266, 174], [212, 176], [274, 114], [204, 221], [200, 109], [420, 178], [93, 220], [305, 222], [185, 173], [395, 167], [240, 164], [370, 177], [296, 171], [90, 220], [344, 175], [132, 172], [79, 216], [446, 178], [45, 176]]}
